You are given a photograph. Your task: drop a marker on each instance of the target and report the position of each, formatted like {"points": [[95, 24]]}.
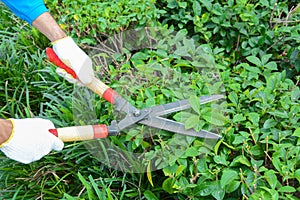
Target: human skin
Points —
{"points": [[46, 24], [5, 130]]}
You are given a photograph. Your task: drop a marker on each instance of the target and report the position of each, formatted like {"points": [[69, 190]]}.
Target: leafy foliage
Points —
{"points": [[241, 28], [99, 20], [254, 45]]}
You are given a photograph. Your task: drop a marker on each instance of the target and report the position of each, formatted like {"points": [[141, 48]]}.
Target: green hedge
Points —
{"points": [[255, 46]]}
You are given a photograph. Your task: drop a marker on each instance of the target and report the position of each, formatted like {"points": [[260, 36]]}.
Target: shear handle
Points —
{"points": [[96, 85], [79, 133]]}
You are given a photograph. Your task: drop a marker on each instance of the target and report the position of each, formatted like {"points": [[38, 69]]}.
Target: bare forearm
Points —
{"points": [[5, 130], [49, 27]]}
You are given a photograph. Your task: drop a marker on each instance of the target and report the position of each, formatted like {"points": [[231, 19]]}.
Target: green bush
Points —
{"points": [[241, 28], [254, 45], [90, 21]]}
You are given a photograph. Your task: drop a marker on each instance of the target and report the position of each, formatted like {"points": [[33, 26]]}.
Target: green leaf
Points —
{"points": [[149, 174], [202, 165], [265, 58], [140, 56], [238, 118], [271, 178], [150, 196], [150, 102], [264, 3], [218, 193], [254, 118], [297, 174], [179, 170], [228, 176], [172, 4], [205, 188], [192, 122], [254, 60], [182, 4], [295, 94], [273, 82], [88, 41], [281, 114], [270, 123], [197, 8], [274, 195], [233, 97], [191, 152], [221, 159], [271, 65], [182, 116], [256, 150], [239, 139], [240, 160], [232, 186], [217, 145], [195, 103], [287, 188], [190, 45], [297, 133], [207, 4], [168, 185], [252, 69], [213, 116], [170, 170], [277, 163], [182, 51]]}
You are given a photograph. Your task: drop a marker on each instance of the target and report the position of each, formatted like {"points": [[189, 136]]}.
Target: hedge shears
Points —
{"points": [[152, 117]]}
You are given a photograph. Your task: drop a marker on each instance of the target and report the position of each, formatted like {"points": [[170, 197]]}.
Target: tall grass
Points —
{"points": [[29, 87]]}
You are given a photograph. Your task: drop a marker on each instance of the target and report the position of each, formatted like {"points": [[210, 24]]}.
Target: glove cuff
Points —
{"points": [[11, 135], [61, 39]]}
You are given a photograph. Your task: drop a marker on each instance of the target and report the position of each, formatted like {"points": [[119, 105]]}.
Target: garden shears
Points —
{"points": [[152, 117]]}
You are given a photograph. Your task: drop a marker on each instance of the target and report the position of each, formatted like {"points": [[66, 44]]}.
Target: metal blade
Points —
{"points": [[133, 114], [176, 127], [168, 108], [152, 117]]}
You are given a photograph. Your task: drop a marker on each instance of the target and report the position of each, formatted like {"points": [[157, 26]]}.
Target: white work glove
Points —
{"points": [[31, 140], [73, 56]]}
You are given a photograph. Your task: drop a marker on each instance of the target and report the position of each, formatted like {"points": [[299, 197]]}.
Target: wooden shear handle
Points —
{"points": [[79, 133], [76, 133]]}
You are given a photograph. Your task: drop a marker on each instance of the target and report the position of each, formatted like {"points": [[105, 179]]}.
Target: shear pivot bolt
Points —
{"points": [[137, 113]]}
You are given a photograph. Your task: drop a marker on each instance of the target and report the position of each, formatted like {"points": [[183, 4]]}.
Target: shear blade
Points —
{"points": [[177, 127], [176, 106], [155, 119]]}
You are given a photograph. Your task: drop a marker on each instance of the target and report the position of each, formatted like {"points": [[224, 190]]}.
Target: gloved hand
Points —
{"points": [[30, 140], [70, 54]]}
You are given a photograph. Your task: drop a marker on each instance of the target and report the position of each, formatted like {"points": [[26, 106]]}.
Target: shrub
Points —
{"points": [[255, 45]]}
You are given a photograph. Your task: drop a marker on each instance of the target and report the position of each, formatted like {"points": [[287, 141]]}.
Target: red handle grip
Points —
{"points": [[55, 59], [96, 85]]}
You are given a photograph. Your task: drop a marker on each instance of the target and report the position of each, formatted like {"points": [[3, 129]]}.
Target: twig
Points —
{"points": [[252, 136], [270, 47], [266, 151], [243, 180], [238, 43], [286, 21], [291, 12], [272, 15], [81, 191], [245, 196]]}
